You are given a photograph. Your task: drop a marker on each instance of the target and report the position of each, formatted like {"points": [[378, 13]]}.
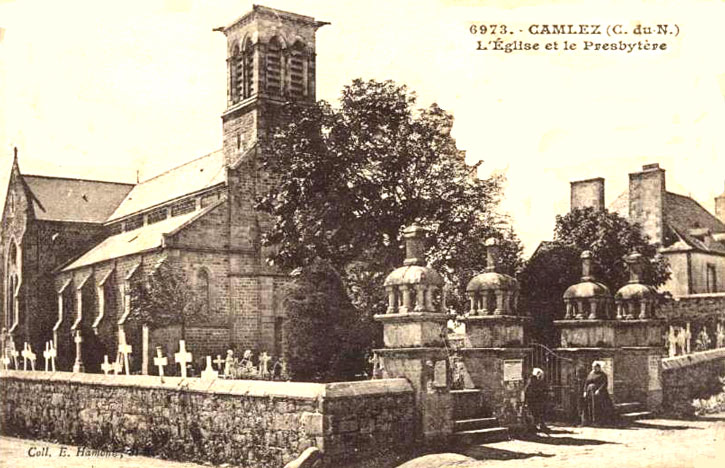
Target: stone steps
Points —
{"points": [[627, 407], [632, 411], [637, 415]]}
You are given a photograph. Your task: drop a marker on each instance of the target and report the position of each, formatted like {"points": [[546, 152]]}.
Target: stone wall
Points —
{"points": [[244, 423], [685, 378]]}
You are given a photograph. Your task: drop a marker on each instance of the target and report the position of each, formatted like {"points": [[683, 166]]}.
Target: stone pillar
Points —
{"points": [[413, 333]]}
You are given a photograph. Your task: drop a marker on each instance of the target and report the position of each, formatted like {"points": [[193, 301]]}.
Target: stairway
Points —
{"points": [[631, 411], [472, 424]]}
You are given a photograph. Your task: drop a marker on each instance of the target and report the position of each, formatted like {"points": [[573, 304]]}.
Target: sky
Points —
{"points": [[100, 89]]}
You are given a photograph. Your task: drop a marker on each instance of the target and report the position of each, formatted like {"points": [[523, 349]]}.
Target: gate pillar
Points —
{"points": [[494, 349], [414, 330]]}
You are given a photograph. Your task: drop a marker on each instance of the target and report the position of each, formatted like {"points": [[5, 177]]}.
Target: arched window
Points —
{"points": [[203, 287], [297, 81], [248, 68], [236, 75], [273, 66]]}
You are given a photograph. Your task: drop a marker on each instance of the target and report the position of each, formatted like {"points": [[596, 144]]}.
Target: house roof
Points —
{"points": [[76, 200], [684, 217], [147, 237], [199, 174]]}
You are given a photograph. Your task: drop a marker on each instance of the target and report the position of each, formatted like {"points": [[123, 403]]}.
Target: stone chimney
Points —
{"points": [[588, 194], [647, 201], [720, 207]]}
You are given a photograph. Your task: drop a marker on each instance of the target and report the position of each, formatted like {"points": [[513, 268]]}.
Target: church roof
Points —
{"points": [[147, 237], [76, 200], [194, 176]]}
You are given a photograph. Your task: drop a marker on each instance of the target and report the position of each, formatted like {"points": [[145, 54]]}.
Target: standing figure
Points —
{"points": [[597, 408], [535, 398]]}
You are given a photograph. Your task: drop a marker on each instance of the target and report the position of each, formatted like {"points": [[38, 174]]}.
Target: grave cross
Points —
{"points": [[107, 367], [160, 361], [14, 354], [264, 359], [124, 349], [182, 357], [49, 355], [28, 355], [78, 364], [219, 362], [6, 362], [209, 373]]}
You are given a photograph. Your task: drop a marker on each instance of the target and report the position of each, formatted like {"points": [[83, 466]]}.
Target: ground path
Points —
{"points": [[660, 443]]}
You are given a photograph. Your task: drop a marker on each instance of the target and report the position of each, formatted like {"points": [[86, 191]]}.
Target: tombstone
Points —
{"points": [[720, 338], [703, 340], [28, 355], [78, 364], [49, 354], [247, 364], [264, 359], [377, 371], [209, 373], [230, 364], [106, 366], [122, 361], [672, 341], [6, 362], [160, 361], [182, 358]]}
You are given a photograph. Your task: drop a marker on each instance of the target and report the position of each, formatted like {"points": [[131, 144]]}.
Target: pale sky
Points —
{"points": [[101, 89]]}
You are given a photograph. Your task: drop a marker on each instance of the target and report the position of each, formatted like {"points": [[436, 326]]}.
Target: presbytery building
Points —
{"points": [[72, 248]]}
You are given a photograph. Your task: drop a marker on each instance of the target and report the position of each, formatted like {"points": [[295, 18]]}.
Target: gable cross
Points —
{"points": [[182, 357], [160, 361]]}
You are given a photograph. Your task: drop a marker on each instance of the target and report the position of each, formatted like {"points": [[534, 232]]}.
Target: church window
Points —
{"points": [[203, 287], [297, 70], [236, 74], [248, 68], [274, 66]]}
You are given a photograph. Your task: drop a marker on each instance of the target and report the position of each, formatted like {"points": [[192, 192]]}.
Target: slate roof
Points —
{"points": [[683, 216], [77, 200], [199, 174], [145, 238]]}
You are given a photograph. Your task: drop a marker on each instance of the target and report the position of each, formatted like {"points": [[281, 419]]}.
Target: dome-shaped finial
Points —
{"points": [[586, 257], [493, 250], [414, 236]]}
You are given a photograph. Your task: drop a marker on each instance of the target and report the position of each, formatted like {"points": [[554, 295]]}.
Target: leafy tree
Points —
{"points": [[349, 179], [324, 345], [164, 298]]}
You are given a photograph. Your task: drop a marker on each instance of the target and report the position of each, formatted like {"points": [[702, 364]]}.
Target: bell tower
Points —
{"points": [[270, 60]]}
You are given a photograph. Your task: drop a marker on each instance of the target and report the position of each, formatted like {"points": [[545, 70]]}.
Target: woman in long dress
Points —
{"points": [[597, 407]]}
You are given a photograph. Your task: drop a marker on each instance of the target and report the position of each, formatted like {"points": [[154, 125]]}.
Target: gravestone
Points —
{"points": [[124, 350], [219, 363], [183, 357], [264, 359], [106, 366], [78, 364], [49, 354], [160, 361], [209, 373]]}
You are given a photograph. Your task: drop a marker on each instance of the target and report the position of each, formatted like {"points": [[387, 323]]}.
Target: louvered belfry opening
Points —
{"points": [[297, 71], [274, 66]]}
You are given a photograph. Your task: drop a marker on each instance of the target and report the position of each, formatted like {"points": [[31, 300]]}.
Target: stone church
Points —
{"points": [[72, 248]]}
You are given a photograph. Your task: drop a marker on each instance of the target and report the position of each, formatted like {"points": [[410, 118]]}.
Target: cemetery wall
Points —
{"points": [[693, 306], [241, 422], [685, 378]]}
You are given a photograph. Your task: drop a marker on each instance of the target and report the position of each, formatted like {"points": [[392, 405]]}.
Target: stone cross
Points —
{"points": [[78, 365], [219, 362], [28, 355], [6, 362], [209, 373], [720, 337], [160, 361], [124, 349], [229, 364], [49, 354], [107, 367], [264, 359], [182, 357]]}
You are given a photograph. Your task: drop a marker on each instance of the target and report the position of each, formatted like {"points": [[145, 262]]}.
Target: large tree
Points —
{"points": [[350, 178]]}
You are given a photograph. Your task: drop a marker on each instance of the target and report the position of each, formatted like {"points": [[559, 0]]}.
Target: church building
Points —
{"points": [[72, 248]]}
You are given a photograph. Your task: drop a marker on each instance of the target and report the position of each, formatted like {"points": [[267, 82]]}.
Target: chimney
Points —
{"points": [[720, 207], [647, 201], [588, 194]]}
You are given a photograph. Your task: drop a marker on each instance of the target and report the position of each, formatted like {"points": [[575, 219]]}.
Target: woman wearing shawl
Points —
{"points": [[597, 407], [535, 395]]}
